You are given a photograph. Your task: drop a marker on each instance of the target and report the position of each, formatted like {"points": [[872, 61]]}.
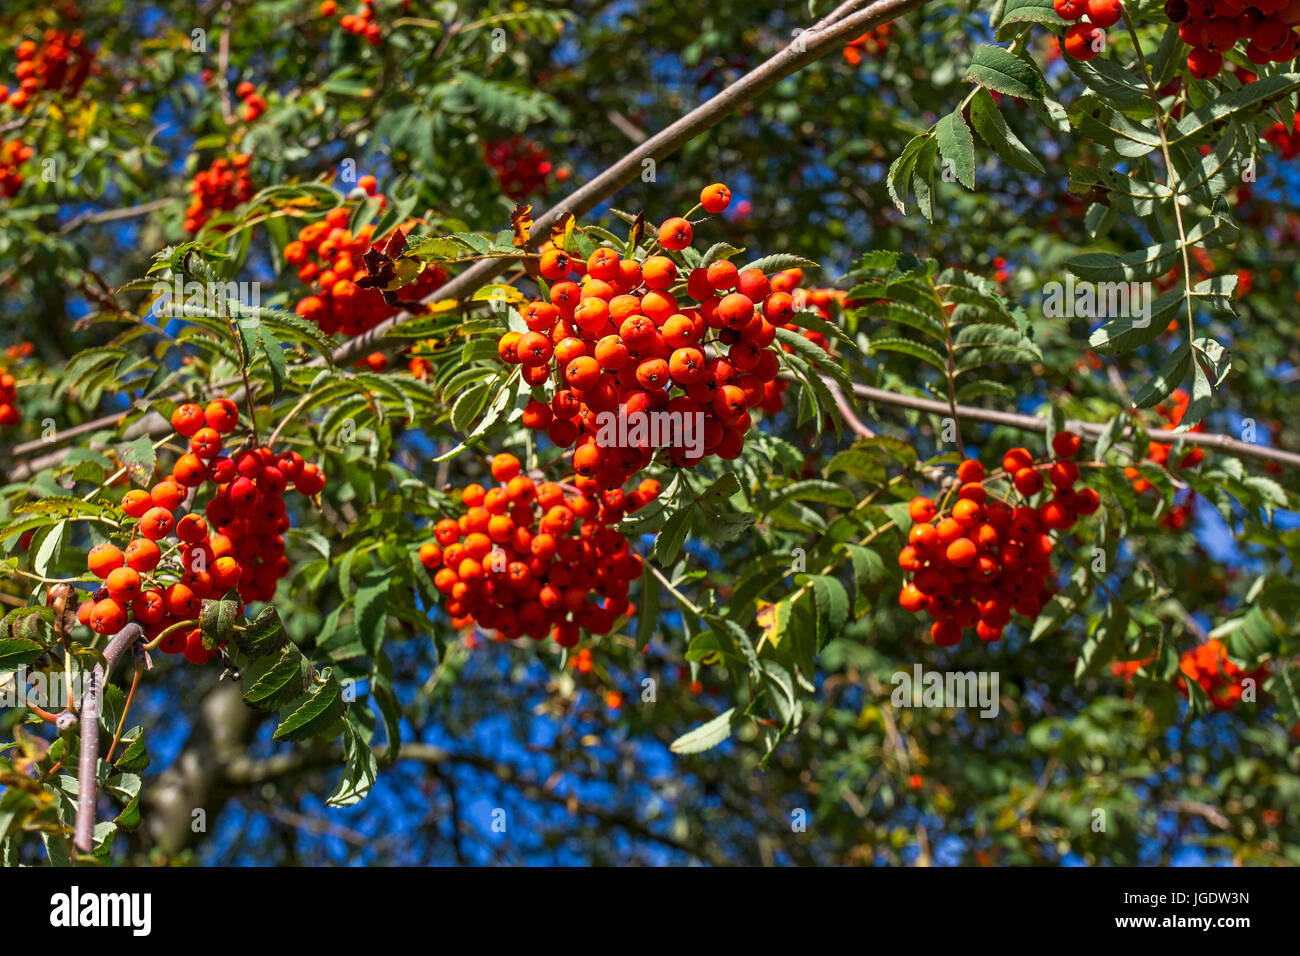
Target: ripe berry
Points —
{"points": [[1016, 459], [1083, 41], [715, 198], [675, 234], [107, 617], [1028, 481], [1070, 9], [1065, 444], [1204, 64], [142, 555], [187, 419], [206, 443], [149, 607], [135, 503], [921, 509], [104, 559], [156, 523], [123, 584], [1105, 13]]}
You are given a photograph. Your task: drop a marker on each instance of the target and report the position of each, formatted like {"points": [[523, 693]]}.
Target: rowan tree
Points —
{"points": [[976, 321]]}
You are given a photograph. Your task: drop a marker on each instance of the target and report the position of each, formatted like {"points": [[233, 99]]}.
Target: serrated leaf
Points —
{"points": [[1003, 71], [315, 714], [706, 736]]}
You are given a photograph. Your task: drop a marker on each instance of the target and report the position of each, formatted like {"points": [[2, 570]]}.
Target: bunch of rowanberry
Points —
{"points": [[362, 23], [60, 64], [1285, 141], [235, 543], [1207, 665], [254, 104], [615, 337], [872, 43], [1158, 452], [329, 257], [9, 414], [520, 165], [223, 185], [13, 154], [1086, 39], [533, 559], [985, 557], [1220, 678], [1213, 27]]}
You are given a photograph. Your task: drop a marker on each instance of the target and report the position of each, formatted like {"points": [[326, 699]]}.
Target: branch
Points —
{"points": [[1032, 423], [810, 45], [88, 765]]}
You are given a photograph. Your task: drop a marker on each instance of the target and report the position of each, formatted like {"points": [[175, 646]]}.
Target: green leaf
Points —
{"points": [[134, 757], [1253, 99], [1001, 70], [263, 635], [909, 347], [360, 770], [1027, 11], [217, 622], [372, 608], [868, 573], [832, 605], [269, 682], [957, 147], [1172, 371], [706, 736], [17, 651], [1114, 428], [668, 543], [1124, 333], [317, 713], [987, 120], [648, 612]]}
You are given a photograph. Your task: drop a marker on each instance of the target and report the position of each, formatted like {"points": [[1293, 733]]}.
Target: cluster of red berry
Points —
{"points": [[1158, 452], [254, 105], [329, 257], [976, 563], [12, 156], [529, 559], [362, 23], [1213, 27], [60, 63], [872, 43], [1087, 38], [1285, 141], [620, 342], [1207, 665], [1181, 513], [521, 166], [236, 544], [223, 185], [9, 414]]}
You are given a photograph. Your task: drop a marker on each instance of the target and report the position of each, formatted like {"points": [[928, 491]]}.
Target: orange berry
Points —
{"points": [[675, 234], [715, 198], [104, 559]]}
